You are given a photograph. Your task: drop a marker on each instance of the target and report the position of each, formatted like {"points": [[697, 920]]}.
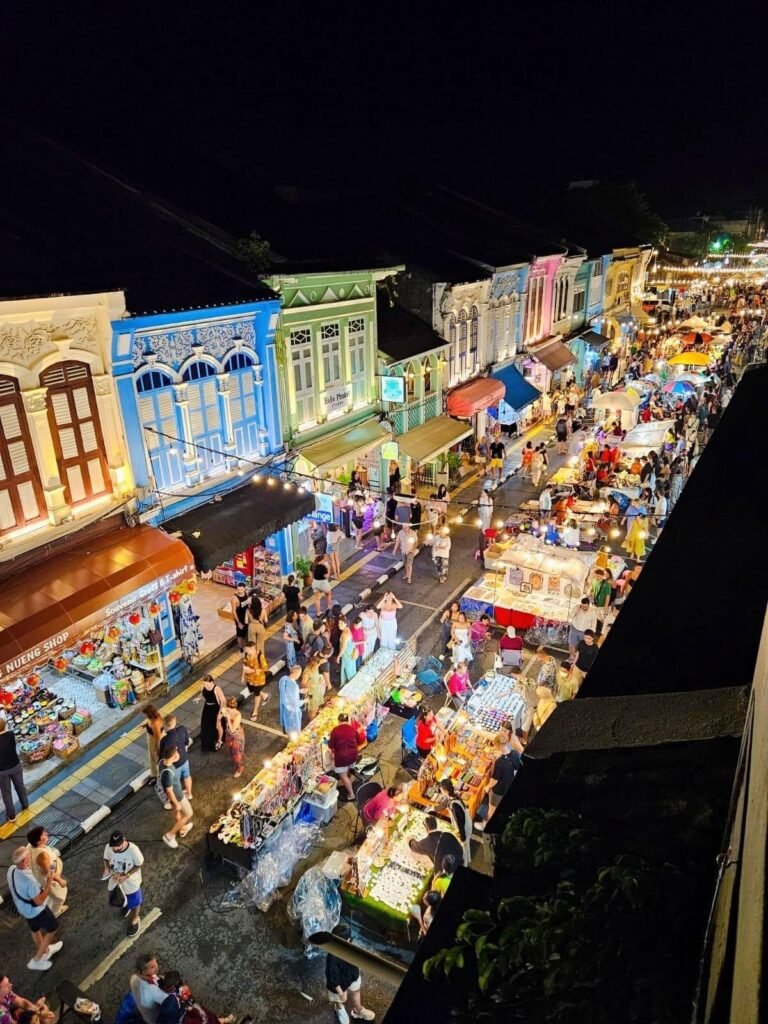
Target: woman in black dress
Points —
{"points": [[211, 726]]}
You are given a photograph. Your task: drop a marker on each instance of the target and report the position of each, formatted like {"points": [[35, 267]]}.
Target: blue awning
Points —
{"points": [[518, 391]]}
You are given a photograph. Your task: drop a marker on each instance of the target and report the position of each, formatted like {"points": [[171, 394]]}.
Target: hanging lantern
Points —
{"points": [[154, 608], [174, 597], [33, 680], [113, 634], [134, 618], [60, 664], [6, 699], [191, 586], [87, 648]]}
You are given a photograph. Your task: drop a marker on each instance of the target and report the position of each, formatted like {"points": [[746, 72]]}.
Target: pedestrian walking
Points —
{"points": [[122, 869], [498, 452], [334, 538], [343, 745], [586, 654], [235, 736], [321, 585], [388, 608], [291, 638], [240, 605], [344, 982], [441, 553], [178, 736], [537, 465], [407, 543], [290, 700], [584, 618], [211, 731], [561, 433], [292, 595], [30, 901], [527, 459], [45, 863], [174, 792], [545, 503], [153, 728], [257, 619], [485, 509], [314, 684], [255, 678], [145, 989], [11, 772]]}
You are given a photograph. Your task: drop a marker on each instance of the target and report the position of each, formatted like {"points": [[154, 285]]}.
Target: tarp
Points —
{"points": [[473, 397], [518, 392], [595, 340], [218, 530], [341, 448], [50, 605], [553, 354], [424, 443]]}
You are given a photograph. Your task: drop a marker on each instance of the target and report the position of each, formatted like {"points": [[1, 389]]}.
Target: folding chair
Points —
{"points": [[511, 659], [410, 759]]}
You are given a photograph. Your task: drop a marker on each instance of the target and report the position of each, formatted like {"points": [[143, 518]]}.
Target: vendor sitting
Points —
{"points": [[457, 681], [382, 805], [511, 641]]}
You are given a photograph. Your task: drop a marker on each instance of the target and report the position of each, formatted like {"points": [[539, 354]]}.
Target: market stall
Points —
{"points": [[89, 634], [387, 877], [268, 803]]}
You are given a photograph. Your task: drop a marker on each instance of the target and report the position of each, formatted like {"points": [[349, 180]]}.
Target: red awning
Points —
{"points": [[50, 605], [476, 395]]}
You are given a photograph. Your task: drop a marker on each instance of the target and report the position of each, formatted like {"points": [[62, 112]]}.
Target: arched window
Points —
{"points": [[243, 403], [21, 495], [451, 347], [461, 354], [205, 416], [410, 381], [474, 324], [160, 426], [427, 375], [566, 289], [76, 431]]}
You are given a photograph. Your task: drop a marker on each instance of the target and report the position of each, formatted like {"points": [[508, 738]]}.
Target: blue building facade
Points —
{"points": [[592, 276]]}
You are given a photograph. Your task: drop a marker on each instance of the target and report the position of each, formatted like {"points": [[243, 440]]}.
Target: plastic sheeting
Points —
{"points": [[316, 906], [274, 868]]}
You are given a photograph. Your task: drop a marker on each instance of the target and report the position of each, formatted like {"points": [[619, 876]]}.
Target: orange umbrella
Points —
{"points": [[696, 337]]}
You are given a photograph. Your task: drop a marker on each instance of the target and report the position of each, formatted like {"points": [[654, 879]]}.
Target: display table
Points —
{"points": [[387, 877], [565, 476], [496, 699]]}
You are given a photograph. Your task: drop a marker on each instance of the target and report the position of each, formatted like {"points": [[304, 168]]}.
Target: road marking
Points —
{"points": [[264, 728], [416, 604], [451, 597], [120, 950]]}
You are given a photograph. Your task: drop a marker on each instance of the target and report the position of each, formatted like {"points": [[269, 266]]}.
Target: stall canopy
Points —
{"points": [[218, 530], [552, 353], [426, 442], [343, 447], [518, 392], [47, 607], [478, 394], [596, 340]]}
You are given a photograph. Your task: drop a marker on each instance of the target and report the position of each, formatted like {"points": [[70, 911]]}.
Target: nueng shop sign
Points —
{"points": [[48, 647]]}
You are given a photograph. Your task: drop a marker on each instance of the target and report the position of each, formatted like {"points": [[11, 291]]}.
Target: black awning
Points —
{"points": [[218, 530], [597, 341]]}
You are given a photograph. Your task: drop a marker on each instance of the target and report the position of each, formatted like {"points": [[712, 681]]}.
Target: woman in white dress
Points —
{"points": [[388, 608], [371, 628], [461, 649]]}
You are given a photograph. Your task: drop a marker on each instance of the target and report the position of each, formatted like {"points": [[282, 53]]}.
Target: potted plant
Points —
{"points": [[303, 569], [443, 471]]}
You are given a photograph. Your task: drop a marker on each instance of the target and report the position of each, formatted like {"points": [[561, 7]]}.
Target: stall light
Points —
{"points": [[445, 531], [642, 535], [256, 478], [288, 486], [376, 524], [591, 531], [293, 736], [573, 461], [237, 797], [173, 450], [499, 523], [459, 519], [268, 763], [195, 534], [478, 521], [271, 481], [302, 490], [430, 538]]}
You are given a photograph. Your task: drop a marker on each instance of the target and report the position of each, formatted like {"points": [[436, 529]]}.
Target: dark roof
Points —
{"points": [[68, 226], [400, 333], [240, 519], [693, 619]]}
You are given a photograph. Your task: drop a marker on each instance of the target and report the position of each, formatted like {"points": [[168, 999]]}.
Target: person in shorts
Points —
{"points": [[178, 736], [344, 982], [122, 866], [321, 584], [174, 792], [343, 745], [497, 459], [30, 901]]}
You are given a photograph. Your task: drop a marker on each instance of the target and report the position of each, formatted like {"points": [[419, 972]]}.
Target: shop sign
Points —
{"points": [[393, 389], [390, 451], [323, 509], [158, 586], [35, 653], [337, 399]]}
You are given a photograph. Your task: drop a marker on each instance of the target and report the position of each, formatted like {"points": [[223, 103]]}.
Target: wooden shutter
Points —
{"points": [[76, 431], [21, 494]]}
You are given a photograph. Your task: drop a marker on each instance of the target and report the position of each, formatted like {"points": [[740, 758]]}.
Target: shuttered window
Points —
{"points": [[160, 427], [243, 404], [76, 431], [205, 416], [21, 495]]}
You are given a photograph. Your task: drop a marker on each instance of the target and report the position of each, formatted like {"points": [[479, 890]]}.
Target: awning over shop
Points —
{"points": [[595, 340], [424, 443], [343, 447], [518, 392], [641, 316], [46, 608], [218, 530], [476, 395], [553, 354]]}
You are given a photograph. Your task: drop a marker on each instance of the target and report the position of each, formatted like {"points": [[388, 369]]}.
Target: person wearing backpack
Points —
{"points": [[30, 901], [122, 872], [173, 792]]}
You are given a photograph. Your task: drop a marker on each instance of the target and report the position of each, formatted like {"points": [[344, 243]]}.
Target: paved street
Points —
{"points": [[237, 961]]}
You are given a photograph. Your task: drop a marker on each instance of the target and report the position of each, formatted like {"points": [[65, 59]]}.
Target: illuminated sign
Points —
{"points": [[393, 389], [390, 450]]}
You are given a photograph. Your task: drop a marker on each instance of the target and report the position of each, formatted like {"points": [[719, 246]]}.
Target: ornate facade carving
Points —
{"points": [[82, 333], [25, 344], [504, 286], [174, 347], [102, 385], [35, 401]]}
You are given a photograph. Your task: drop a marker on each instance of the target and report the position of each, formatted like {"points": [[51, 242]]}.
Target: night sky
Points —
{"points": [[479, 96]]}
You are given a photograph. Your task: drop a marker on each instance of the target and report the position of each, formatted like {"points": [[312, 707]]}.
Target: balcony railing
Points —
{"points": [[415, 414]]}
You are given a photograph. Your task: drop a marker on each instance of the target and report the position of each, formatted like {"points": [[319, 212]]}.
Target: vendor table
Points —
{"points": [[496, 699]]}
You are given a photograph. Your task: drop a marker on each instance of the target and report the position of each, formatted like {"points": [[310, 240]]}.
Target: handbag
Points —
{"points": [[117, 897]]}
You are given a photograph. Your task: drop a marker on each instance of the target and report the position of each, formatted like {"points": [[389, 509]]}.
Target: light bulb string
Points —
{"points": [[467, 508]]}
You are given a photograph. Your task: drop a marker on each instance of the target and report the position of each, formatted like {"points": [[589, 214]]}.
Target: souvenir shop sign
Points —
{"points": [[158, 586], [337, 399], [36, 653]]}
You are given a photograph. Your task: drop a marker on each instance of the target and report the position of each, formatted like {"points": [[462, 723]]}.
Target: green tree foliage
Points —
{"points": [[617, 209], [254, 252]]}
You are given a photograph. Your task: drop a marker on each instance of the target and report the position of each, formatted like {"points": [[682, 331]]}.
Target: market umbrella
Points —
{"points": [[616, 400], [693, 378], [683, 388], [726, 327], [697, 338], [653, 378], [694, 323], [689, 359]]}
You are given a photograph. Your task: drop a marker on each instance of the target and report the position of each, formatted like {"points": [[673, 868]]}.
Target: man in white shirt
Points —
{"points": [[545, 503], [441, 552], [584, 618], [122, 866], [660, 508], [30, 901]]}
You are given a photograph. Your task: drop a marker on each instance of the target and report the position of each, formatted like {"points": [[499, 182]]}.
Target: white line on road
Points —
{"points": [[120, 950], [429, 607], [264, 728]]}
